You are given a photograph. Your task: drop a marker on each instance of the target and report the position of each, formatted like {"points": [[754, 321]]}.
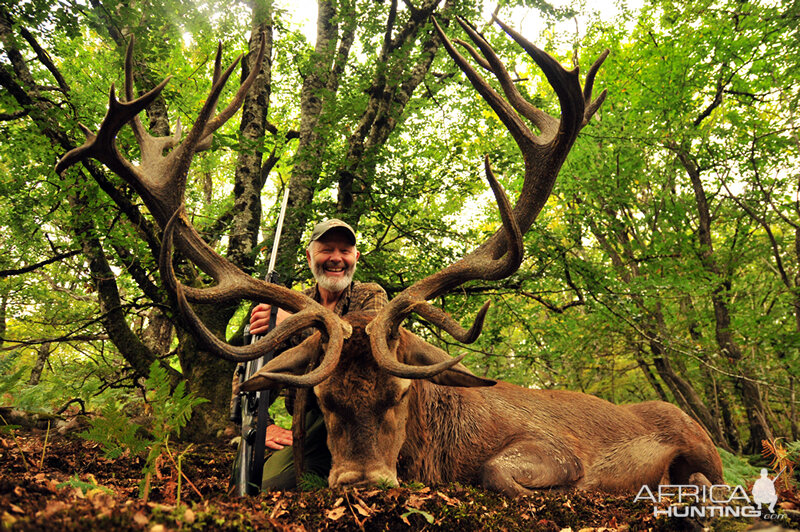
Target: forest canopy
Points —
{"points": [[664, 266]]}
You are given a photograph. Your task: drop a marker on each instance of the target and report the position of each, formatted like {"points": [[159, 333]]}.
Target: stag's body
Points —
{"points": [[512, 439], [505, 437]]}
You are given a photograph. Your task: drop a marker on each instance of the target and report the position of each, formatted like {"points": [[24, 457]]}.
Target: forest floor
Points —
{"points": [[68, 484]]}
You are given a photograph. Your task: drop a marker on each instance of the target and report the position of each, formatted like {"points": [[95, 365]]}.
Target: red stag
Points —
{"points": [[390, 400]]}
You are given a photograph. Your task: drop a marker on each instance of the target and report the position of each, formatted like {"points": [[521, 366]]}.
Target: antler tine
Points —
{"points": [[102, 145], [238, 98], [548, 126], [506, 112], [205, 143], [442, 319], [273, 370], [136, 123], [588, 86], [565, 83], [151, 147], [309, 313], [474, 53], [206, 124]]}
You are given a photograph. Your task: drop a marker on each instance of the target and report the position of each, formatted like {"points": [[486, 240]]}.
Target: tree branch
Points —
{"points": [[36, 266]]}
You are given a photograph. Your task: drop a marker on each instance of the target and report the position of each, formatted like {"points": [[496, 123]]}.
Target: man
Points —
{"points": [[332, 257]]}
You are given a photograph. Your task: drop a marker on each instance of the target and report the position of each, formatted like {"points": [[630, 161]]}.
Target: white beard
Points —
{"points": [[334, 285]]}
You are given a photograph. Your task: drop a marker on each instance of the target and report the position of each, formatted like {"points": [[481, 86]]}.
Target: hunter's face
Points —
{"points": [[332, 260]]}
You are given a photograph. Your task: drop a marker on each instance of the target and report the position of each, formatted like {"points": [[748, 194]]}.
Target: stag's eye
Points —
{"points": [[402, 395]]}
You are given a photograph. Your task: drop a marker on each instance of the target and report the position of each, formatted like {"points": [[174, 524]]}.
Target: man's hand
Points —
{"points": [[278, 437], [259, 318]]}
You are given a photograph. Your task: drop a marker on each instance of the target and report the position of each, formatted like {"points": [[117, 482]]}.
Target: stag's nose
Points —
{"points": [[362, 477]]}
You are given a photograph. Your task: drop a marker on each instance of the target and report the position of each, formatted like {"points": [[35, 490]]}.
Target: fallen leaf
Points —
{"points": [[189, 516], [8, 520], [52, 507], [158, 528], [415, 501], [279, 510], [362, 509], [449, 500], [159, 506], [16, 509], [101, 499], [335, 514], [140, 519]]}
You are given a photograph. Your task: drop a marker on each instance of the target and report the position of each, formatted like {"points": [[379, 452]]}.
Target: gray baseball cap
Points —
{"points": [[333, 223]]}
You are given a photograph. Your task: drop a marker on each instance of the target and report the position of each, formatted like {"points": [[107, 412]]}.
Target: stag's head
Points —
{"points": [[365, 406], [367, 363]]}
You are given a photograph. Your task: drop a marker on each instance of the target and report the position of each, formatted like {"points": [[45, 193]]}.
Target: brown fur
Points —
{"points": [[505, 437]]}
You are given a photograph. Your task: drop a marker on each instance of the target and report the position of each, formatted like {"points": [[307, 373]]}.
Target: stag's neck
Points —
{"points": [[443, 434]]}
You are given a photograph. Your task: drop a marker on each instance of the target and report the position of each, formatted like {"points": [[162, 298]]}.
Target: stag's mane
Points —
{"points": [[439, 422]]}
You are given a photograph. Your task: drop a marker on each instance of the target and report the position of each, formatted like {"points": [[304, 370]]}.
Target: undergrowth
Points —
{"points": [[117, 433]]}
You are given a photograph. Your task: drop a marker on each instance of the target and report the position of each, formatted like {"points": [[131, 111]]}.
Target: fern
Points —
{"points": [[312, 482], [116, 432], [83, 485], [8, 377], [737, 470]]}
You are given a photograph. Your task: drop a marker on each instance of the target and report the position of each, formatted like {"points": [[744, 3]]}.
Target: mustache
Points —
{"points": [[337, 284]]}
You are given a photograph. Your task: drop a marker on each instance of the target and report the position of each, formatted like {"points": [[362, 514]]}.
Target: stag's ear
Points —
{"points": [[420, 353], [293, 361]]}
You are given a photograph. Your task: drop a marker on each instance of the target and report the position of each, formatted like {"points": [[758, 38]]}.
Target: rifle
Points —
{"points": [[252, 408]]}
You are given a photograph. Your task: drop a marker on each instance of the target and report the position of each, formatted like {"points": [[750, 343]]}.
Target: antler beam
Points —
{"points": [[543, 155]]}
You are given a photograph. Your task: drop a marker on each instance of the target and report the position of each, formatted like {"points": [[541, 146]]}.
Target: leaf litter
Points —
{"points": [[77, 488]]}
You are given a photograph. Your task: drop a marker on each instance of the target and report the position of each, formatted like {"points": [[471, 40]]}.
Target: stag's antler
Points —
{"points": [[543, 154], [160, 180]]}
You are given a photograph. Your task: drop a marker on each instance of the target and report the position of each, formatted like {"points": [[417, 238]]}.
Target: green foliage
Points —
{"points": [[311, 482], [84, 486], [10, 376], [386, 483], [117, 433], [413, 511], [737, 470]]}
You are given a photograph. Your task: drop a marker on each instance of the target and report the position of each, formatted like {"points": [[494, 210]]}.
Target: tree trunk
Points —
{"points": [[317, 96], [209, 376], [729, 348], [41, 358], [3, 306], [396, 79]]}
